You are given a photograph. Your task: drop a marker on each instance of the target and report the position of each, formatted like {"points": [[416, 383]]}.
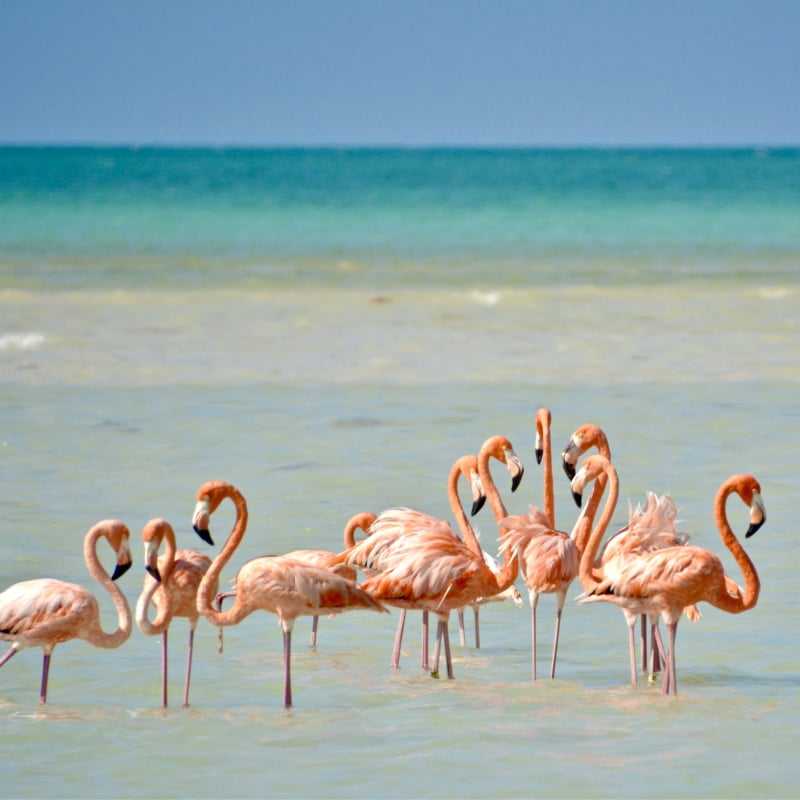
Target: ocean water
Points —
{"points": [[330, 330]]}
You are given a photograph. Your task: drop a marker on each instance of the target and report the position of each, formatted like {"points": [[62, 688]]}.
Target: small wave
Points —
{"points": [[487, 298], [21, 341]]}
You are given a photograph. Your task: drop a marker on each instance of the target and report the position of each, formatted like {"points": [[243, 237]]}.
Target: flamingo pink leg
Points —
{"points": [[462, 634], [425, 665], [555, 644], [398, 640], [164, 669], [670, 681], [188, 668], [45, 675], [11, 652], [287, 669]]}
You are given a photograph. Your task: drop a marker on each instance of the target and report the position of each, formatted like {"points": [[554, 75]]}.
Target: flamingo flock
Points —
{"points": [[413, 561]]}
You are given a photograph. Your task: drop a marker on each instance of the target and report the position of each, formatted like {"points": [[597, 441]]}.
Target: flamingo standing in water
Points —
{"points": [[45, 612], [548, 558], [282, 586], [369, 556], [419, 563], [672, 578], [321, 558], [171, 585], [327, 558], [649, 527]]}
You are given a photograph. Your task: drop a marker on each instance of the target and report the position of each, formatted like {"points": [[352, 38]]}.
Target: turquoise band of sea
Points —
{"points": [[329, 329]]}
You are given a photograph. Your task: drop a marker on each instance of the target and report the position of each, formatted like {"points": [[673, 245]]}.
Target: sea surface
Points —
{"points": [[329, 329]]}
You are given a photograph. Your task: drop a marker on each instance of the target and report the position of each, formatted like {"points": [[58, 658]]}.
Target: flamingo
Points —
{"points": [[280, 585], [322, 558], [368, 557], [327, 558], [649, 527], [548, 558], [45, 612], [419, 563], [672, 578], [171, 585]]}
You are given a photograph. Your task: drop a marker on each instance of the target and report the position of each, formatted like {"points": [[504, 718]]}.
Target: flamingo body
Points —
{"points": [[46, 612]]}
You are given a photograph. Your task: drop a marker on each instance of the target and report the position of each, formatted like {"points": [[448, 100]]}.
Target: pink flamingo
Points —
{"points": [[672, 578], [282, 586], [419, 563], [327, 558], [321, 558], [368, 557], [45, 612], [649, 528], [171, 585], [548, 558]]}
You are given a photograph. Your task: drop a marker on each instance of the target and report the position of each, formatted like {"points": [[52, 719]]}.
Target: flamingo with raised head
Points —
{"points": [[548, 558], [46, 612], [171, 585], [282, 586]]}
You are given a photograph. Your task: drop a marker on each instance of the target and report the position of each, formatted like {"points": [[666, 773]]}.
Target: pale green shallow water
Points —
{"points": [[117, 413]]}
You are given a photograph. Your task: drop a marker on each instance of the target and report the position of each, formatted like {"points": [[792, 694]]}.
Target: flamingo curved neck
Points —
{"points": [[467, 531], [98, 637], [164, 616], [586, 573], [210, 580], [752, 583]]}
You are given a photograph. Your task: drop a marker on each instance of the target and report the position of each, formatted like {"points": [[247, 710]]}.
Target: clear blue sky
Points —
{"points": [[425, 72]]}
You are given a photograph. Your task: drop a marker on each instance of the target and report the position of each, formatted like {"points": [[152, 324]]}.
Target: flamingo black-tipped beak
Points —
{"points": [[154, 572], [539, 454], [121, 569], [578, 498], [478, 505], [754, 526], [204, 534], [516, 480], [569, 469]]}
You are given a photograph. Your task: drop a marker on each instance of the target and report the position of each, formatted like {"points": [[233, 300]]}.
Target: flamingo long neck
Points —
{"points": [[467, 531], [583, 525], [585, 573], [752, 583], [210, 580], [548, 491], [164, 616], [97, 636], [489, 486], [363, 521], [165, 613]]}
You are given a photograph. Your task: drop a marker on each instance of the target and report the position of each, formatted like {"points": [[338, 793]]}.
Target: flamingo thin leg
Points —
{"points": [[12, 651], [555, 644], [462, 634], [164, 669], [45, 675], [670, 683], [398, 640], [287, 669], [643, 640], [425, 664], [188, 668], [477, 628], [314, 623]]}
